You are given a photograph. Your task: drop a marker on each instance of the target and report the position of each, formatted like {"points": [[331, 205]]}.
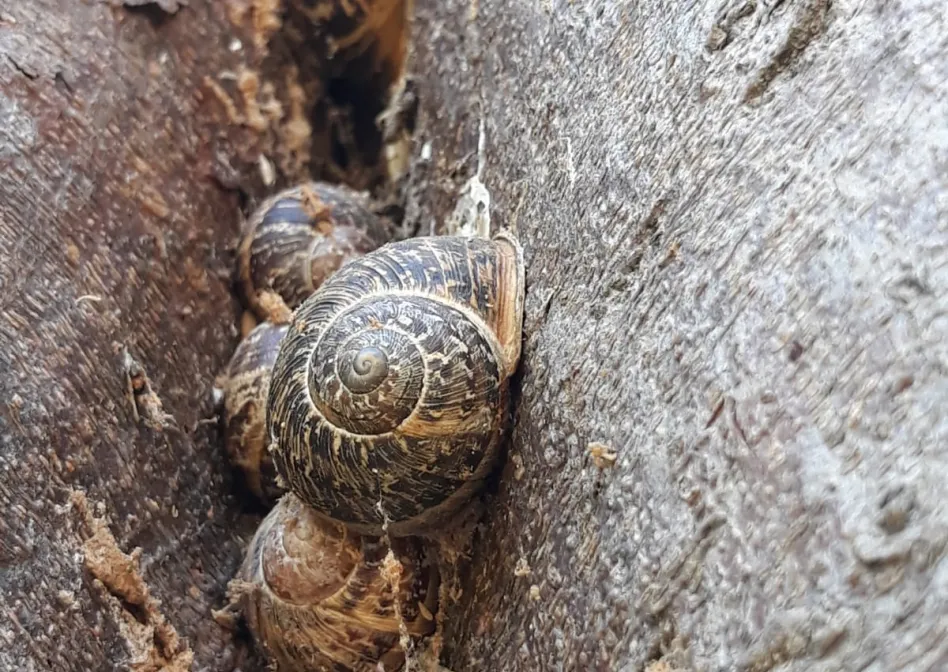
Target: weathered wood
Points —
{"points": [[129, 138], [735, 218]]}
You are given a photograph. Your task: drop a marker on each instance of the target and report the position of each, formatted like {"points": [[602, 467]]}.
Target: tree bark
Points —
{"points": [[728, 450], [735, 220], [130, 138]]}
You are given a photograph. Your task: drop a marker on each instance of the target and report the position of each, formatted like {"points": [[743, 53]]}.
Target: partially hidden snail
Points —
{"points": [[292, 243], [389, 396], [245, 384], [386, 395], [319, 597], [297, 238]]}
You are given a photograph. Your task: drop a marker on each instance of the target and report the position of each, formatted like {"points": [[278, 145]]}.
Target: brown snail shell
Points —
{"points": [[318, 597], [299, 237], [389, 395], [245, 385]]}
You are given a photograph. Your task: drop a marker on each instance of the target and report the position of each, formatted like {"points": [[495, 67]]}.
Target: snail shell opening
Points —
{"points": [[390, 393]]}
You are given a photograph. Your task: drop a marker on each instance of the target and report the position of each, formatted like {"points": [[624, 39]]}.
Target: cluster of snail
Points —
{"points": [[366, 408]]}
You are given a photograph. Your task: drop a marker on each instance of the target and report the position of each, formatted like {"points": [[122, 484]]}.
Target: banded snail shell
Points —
{"points": [[390, 393], [246, 381], [318, 597], [299, 237]]}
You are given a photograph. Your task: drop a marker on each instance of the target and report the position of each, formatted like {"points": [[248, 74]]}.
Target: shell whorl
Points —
{"points": [[301, 236], [389, 394], [325, 598]]}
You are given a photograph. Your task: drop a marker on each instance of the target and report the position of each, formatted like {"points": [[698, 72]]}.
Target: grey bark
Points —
{"points": [[735, 219], [113, 265], [129, 139]]}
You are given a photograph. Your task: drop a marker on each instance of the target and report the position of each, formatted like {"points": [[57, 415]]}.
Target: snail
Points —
{"points": [[316, 596], [390, 391], [297, 238], [245, 382]]}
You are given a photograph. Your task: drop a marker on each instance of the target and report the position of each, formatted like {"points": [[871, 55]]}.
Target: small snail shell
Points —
{"points": [[245, 384], [318, 597], [297, 238], [389, 394]]}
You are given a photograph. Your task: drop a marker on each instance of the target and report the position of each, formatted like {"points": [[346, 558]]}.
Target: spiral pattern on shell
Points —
{"points": [[389, 395], [323, 598], [299, 237]]}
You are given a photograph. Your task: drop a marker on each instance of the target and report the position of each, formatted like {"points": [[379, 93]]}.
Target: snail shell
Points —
{"points": [[247, 378], [389, 394], [319, 597], [297, 238]]}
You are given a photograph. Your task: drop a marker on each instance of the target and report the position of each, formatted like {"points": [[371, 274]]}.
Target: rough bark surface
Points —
{"points": [[735, 219], [730, 442], [128, 139]]}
